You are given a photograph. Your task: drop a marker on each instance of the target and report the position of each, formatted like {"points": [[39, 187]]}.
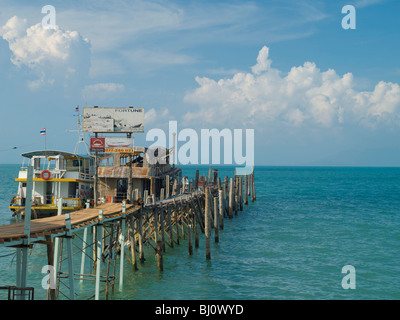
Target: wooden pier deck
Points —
{"points": [[13, 233]]}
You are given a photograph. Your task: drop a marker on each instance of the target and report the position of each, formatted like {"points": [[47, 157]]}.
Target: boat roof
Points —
{"points": [[50, 153]]}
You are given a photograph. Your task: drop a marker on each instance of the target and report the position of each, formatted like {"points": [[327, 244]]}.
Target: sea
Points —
{"points": [[313, 233]]}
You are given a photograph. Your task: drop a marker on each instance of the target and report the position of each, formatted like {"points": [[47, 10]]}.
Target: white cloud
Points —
{"points": [[53, 54], [304, 96]]}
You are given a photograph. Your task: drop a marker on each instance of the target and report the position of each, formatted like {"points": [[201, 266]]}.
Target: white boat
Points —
{"points": [[56, 174]]}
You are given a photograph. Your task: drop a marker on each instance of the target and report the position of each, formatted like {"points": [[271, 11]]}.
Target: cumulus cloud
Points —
{"points": [[53, 54], [303, 96]]}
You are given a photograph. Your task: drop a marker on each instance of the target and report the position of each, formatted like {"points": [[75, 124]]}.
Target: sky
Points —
{"points": [[314, 92]]}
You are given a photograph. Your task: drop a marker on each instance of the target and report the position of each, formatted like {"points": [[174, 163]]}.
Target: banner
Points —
{"points": [[124, 120], [123, 145]]}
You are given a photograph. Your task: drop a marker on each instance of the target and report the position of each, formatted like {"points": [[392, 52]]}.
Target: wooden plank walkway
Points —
{"points": [[56, 224]]}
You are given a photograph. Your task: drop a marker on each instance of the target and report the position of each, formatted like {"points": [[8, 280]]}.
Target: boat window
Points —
{"points": [[51, 164], [72, 165]]}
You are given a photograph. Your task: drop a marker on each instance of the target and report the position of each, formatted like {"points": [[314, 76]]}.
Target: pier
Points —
{"points": [[182, 210]]}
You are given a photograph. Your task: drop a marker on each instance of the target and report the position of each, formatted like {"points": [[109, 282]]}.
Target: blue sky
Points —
{"points": [[314, 93]]}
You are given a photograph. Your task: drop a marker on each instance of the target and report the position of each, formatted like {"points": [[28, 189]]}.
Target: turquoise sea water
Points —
{"points": [[292, 243]]}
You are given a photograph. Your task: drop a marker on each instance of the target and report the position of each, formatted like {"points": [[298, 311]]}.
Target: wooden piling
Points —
{"points": [[159, 256], [196, 234], [216, 233], [162, 228], [167, 187], [190, 240], [51, 292], [207, 223], [131, 233], [253, 188], [246, 189], [196, 181], [231, 199], [170, 226], [140, 238], [221, 208]]}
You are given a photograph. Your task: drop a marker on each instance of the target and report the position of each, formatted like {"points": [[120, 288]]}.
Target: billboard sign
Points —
{"points": [[121, 144], [123, 120]]}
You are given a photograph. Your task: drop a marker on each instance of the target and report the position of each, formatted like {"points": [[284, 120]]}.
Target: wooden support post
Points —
{"points": [[235, 195], [196, 181], [166, 186], [57, 242], [215, 176], [176, 222], [99, 243], [122, 255], [70, 257], [132, 240], [162, 224], [231, 199], [159, 256], [221, 208], [196, 234], [216, 233], [241, 193], [246, 189], [84, 246], [207, 223], [170, 226], [155, 214], [253, 188], [51, 292], [141, 252], [190, 240]]}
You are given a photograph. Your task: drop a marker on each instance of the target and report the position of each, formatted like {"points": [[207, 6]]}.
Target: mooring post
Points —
{"points": [[159, 256], [70, 256], [253, 187], [166, 186], [84, 245], [221, 208], [162, 226], [170, 226], [231, 199], [216, 233], [246, 188], [241, 193], [99, 240], [141, 252], [196, 234], [196, 181], [122, 255], [132, 239], [207, 223], [27, 231], [190, 240], [57, 241], [51, 292], [176, 222]]}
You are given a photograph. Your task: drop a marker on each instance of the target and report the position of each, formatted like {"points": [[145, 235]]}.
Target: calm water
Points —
{"points": [[292, 243]]}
